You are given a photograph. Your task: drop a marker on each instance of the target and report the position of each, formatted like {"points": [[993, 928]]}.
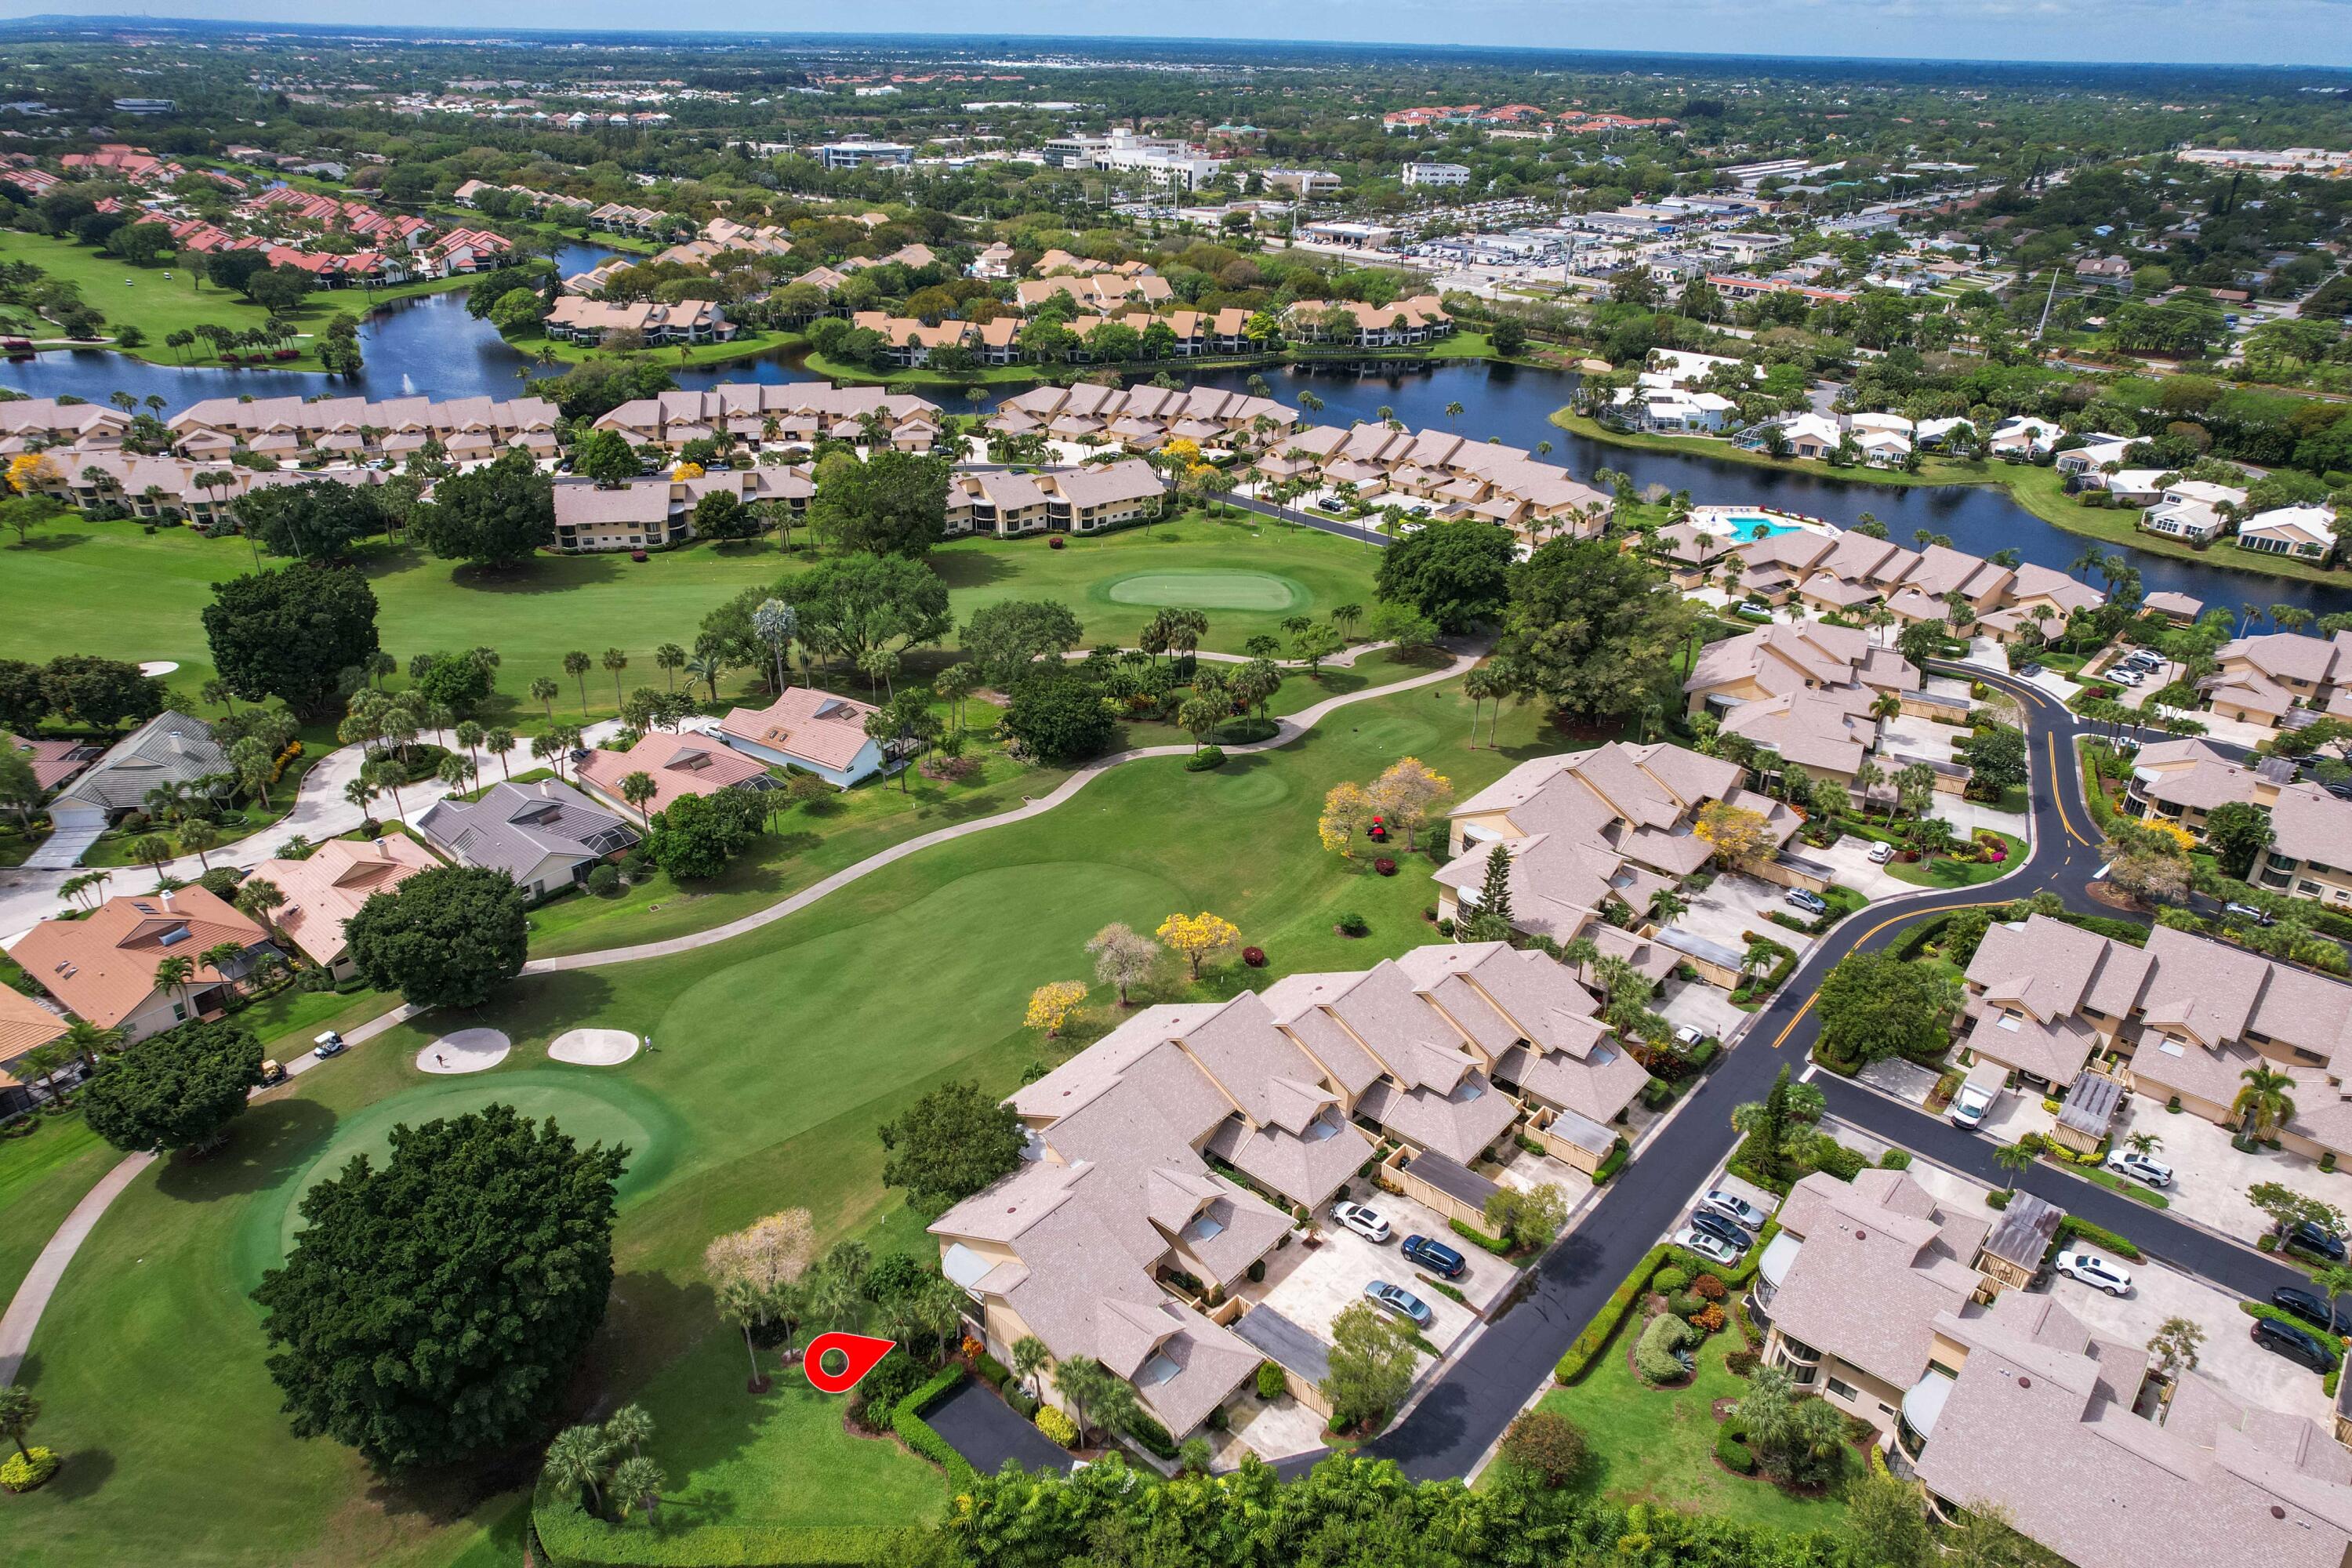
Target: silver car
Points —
{"points": [[1714, 1248], [1398, 1300], [1732, 1206]]}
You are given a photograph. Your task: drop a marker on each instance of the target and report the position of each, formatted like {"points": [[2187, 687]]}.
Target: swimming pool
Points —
{"points": [[1749, 528]]}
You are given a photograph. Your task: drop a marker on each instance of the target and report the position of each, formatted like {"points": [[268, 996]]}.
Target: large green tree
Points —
{"points": [[1874, 1005], [319, 520], [893, 503], [1005, 639], [1995, 754], [1591, 630], [178, 1089], [1058, 717], [291, 633], [1454, 573], [434, 1309], [497, 516], [949, 1144], [445, 938], [1370, 1366], [103, 692], [698, 835], [849, 605], [2237, 831]]}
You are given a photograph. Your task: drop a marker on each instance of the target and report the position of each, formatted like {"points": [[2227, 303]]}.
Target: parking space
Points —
{"points": [[1311, 1285], [1906, 1082], [1732, 906], [1908, 737], [2211, 1175], [2229, 1356], [1523, 1172], [1273, 1431], [1850, 857], [2017, 1112], [1699, 1006]]}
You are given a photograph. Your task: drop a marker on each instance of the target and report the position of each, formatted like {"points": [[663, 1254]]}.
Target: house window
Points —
{"points": [[1843, 1390]]}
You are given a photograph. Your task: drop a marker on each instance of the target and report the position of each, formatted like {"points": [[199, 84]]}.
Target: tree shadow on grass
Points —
{"points": [[970, 568], [541, 577], [265, 1146], [81, 1473], [49, 541]]}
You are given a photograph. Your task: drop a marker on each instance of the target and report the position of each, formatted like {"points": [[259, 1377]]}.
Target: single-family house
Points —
{"points": [[545, 834], [810, 730], [103, 966], [678, 764], [325, 889]]}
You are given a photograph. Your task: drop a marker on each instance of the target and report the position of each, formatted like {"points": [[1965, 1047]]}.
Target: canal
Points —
{"points": [[429, 346]]}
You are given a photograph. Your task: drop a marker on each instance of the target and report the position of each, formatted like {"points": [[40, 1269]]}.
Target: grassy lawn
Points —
{"points": [[42, 1175], [742, 346], [776, 1054], [159, 307], [114, 589], [1657, 1445], [1943, 871]]}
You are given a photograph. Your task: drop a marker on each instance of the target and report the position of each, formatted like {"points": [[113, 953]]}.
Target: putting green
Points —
{"points": [[1209, 589], [599, 1109]]}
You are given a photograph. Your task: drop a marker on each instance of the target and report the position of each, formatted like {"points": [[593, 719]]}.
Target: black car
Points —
{"points": [[1727, 1230], [1435, 1256], [2290, 1341], [2307, 1238], [2312, 1307]]}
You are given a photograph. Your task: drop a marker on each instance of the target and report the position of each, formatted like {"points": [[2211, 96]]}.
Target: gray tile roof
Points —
{"points": [[170, 748], [515, 827]]}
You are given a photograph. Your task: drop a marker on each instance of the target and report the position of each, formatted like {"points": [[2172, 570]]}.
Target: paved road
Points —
{"points": [[1462, 1414]]}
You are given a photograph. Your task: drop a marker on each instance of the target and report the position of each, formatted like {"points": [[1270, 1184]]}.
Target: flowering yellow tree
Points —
{"points": [[27, 470], [1198, 936], [1345, 809], [1408, 793], [1738, 834], [1051, 1004], [685, 471]]}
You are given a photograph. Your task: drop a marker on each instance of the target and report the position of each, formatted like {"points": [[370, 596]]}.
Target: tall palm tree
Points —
{"points": [[198, 837], [1029, 1357], [499, 744], [615, 662], [2263, 1106], [575, 664], [173, 974], [639, 789], [2014, 1158], [1481, 685], [576, 1463], [1083, 1381]]}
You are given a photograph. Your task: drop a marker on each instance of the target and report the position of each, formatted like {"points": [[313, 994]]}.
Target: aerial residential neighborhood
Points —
{"points": [[1520, 793]]}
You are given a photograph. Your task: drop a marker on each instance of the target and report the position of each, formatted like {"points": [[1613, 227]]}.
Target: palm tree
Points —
{"points": [[88, 1041], [1453, 411], [543, 690], [706, 667], [173, 972], [575, 664], [2264, 1105], [1482, 684], [637, 1482], [616, 661], [632, 1425], [669, 658], [639, 789], [154, 853], [1083, 1381], [1029, 1357], [1667, 905], [2013, 1157], [456, 773], [197, 836], [575, 1462]]}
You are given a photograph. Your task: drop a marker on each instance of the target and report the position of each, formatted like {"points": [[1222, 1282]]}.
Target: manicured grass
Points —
{"points": [[2114, 1183], [1657, 1445], [775, 1056], [742, 346], [111, 589], [159, 307], [42, 1175], [1943, 871]]}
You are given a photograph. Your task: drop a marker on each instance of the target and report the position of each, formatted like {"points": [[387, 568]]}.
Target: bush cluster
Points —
{"points": [[1057, 1426], [24, 1472], [1654, 1352]]}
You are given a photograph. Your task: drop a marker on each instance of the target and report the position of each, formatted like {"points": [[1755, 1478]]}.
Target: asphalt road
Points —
{"points": [[1474, 1398]]}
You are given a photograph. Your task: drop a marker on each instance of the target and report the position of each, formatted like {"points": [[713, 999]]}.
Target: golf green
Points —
{"points": [[1208, 589], [598, 1109]]}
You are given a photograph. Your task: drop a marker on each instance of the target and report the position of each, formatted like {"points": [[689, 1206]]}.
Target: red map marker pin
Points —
{"points": [[863, 1351]]}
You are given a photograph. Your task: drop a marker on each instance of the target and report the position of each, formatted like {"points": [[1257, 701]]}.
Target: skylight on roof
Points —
{"points": [[1158, 1370], [1205, 1228]]}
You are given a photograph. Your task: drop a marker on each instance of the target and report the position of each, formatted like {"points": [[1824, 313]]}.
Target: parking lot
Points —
{"points": [[2209, 1175], [1732, 906], [2228, 1355], [1312, 1284]]}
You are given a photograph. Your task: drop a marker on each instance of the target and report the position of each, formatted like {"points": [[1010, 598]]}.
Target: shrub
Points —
{"points": [[220, 881], [1683, 1304], [604, 880], [1384, 866], [1548, 1446], [2071, 1228], [1613, 1162], [24, 1472], [994, 1373], [1708, 1320], [1353, 924], [1258, 1271], [1895, 1160], [1254, 957], [1057, 542], [1706, 1287], [1480, 1239], [1057, 1428], [1838, 1160], [1654, 1352], [1670, 1279], [1742, 1364], [1024, 1403], [1997, 1199], [1150, 1434], [1611, 1316], [1445, 926], [1734, 1454], [1205, 760], [1270, 1381]]}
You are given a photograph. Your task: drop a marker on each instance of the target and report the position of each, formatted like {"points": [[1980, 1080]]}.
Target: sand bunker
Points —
{"points": [[468, 1051], [594, 1047]]}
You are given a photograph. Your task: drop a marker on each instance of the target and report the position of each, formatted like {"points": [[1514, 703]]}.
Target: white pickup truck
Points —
{"points": [[1977, 1093]]}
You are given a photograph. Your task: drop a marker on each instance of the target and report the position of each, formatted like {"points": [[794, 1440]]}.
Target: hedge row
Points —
{"points": [[1613, 1162], [908, 1422], [1480, 1239], [2070, 1228], [569, 1537], [1611, 1316]]}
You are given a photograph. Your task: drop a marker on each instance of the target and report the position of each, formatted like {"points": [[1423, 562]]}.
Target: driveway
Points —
{"points": [[1734, 905], [2228, 1356], [1702, 1006], [2209, 1178], [1311, 1286], [986, 1432]]}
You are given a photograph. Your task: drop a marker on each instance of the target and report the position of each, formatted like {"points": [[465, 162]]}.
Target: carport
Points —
{"points": [[1445, 1183], [1305, 1360]]}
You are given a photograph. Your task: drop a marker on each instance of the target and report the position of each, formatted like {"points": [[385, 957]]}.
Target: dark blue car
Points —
{"points": [[1435, 1256]]}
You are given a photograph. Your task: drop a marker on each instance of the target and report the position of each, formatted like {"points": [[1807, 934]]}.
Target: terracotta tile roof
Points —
{"points": [[815, 726], [327, 888], [103, 967]]}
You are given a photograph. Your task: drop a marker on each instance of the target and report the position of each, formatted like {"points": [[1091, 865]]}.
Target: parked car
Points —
{"points": [[1398, 1300], [1732, 1206], [2306, 1236], [2313, 1308], [1435, 1256], [1687, 1036], [1880, 854], [2286, 1340], [1712, 1248], [1758, 613], [2125, 677], [2095, 1271], [330, 1044], [2140, 1168], [1364, 1222], [1723, 1228], [1805, 898], [2248, 911]]}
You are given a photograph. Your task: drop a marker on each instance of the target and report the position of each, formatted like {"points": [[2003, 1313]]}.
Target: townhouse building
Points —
{"points": [[2183, 782], [1159, 1154], [1593, 838], [462, 427], [1100, 291], [1092, 500], [1406, 323], [2197, 510], [785, 414], [1442, 474], [2281, 679], [579, 320], [1143, 418], [657, 511]]}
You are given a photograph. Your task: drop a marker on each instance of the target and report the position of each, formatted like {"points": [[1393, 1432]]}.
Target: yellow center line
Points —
{"points": [[2058, 794], [1782, 1038]]}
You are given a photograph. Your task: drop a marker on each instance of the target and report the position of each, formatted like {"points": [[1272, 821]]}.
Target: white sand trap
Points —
{"points": [[592, 1047], [468, 1051], [159, 667]]}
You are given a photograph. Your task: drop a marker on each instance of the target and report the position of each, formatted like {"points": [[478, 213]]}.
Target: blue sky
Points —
{"points": [[2265, 32]]}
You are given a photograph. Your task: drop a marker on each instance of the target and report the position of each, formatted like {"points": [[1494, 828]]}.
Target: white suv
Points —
{"points": [[1364, 1222]]}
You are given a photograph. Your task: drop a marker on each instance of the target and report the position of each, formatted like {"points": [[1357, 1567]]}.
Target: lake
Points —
{"points": [[429, 347]]}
